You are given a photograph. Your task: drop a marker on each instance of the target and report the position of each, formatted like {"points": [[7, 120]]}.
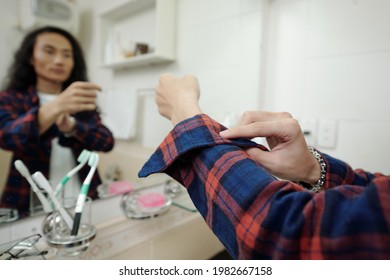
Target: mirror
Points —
{"points": [[56, 56], [219, 63], [6, 214], [9, 214]]}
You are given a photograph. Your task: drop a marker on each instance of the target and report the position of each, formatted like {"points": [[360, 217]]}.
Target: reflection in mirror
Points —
{"points": [[8, 215], [48, 116]]}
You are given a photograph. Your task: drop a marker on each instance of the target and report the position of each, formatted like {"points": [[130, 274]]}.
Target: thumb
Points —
{"points": [[60, 119]]}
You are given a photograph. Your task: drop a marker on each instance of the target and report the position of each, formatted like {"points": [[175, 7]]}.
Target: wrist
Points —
{"points": [[49, 112], [55, 108], [314, 173], [72, 129], [185, 113], [317, 176]]}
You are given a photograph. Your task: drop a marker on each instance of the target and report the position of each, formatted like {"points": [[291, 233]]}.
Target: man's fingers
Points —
{"points": [[86, 93], [256, 129], [262, 116], [87, 86], [283, 130], [84, 107]]}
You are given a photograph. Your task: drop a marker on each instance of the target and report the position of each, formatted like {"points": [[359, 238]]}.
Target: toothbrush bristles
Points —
{"points": [[83, 156], [93, 159]]}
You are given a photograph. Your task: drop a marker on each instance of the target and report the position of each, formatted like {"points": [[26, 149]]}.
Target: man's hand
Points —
{"points": [[78, 97], [177, 97], [289, 157], [66, 123]]}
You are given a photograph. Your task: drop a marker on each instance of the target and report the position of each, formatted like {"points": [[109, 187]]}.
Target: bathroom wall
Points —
{"points": [[9, 34], [219, 41], [320, 60], [330, 60]]}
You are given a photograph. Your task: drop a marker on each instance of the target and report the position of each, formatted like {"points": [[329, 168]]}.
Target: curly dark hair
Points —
{"points": [[21, 74]]}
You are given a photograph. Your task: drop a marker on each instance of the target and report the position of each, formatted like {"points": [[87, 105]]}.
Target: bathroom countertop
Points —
{"points": [[175, 234]]}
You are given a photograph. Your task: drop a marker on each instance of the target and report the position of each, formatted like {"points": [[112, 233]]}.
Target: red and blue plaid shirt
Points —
{"points": [[257, 216], [19, 133]]}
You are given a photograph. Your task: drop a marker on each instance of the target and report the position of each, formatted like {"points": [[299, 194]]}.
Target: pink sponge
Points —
{"points": [[151, 200], [119, 187]]}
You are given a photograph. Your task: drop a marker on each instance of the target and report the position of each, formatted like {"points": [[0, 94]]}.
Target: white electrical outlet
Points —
{"points": [[327, 133], [309, 129]]}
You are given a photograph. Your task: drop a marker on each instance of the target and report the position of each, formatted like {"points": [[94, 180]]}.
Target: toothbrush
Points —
{"points": [[23, 170], [44, 184], [92, 162], [82, 159]]}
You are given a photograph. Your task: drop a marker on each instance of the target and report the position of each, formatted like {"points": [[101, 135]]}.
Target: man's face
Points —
{"points": [[52, 58]]}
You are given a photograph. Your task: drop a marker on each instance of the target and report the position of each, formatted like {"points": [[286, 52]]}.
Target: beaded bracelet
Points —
{"points": [[318, 185]]}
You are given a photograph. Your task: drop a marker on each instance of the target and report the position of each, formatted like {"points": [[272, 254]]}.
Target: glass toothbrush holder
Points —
{"points": [[58, 234]]}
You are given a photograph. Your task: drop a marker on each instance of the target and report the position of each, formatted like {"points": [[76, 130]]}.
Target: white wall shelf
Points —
{"points": [[137, 21]]}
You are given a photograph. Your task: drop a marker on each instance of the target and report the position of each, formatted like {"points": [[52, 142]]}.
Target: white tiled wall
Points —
{"points": [[330, 59], [347, 27]]}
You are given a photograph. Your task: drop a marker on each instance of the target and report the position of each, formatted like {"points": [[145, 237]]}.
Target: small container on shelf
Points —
{"points": [[149, 29]]}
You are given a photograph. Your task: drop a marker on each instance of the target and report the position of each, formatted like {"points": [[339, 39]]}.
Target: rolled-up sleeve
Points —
{"points": [[257, 216]]}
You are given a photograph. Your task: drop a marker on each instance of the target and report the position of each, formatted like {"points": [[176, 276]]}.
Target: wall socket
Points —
{"points": [[327, 133], [309, 129]]}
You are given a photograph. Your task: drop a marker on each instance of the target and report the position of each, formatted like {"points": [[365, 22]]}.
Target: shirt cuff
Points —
{"points": [[197, 132], [337, 172]]}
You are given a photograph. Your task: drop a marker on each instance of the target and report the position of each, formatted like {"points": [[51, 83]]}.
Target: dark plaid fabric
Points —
{"points": [[257, 216], [19, 134]]}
